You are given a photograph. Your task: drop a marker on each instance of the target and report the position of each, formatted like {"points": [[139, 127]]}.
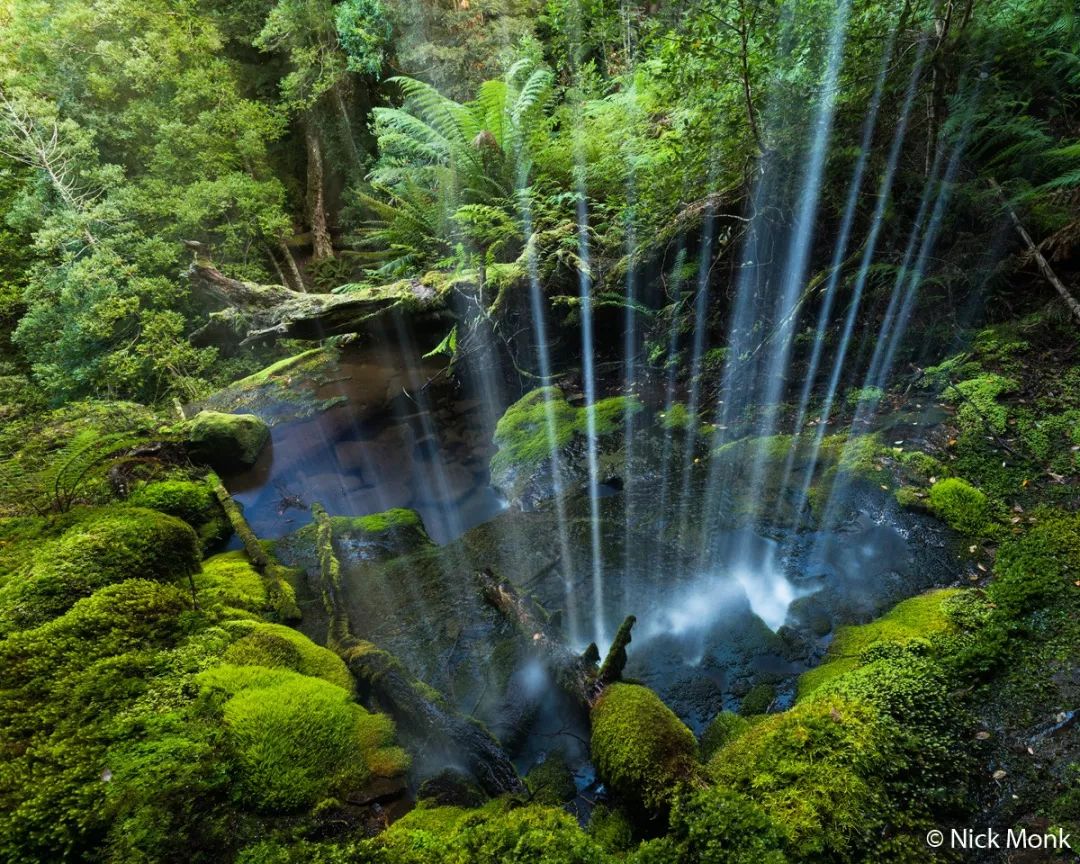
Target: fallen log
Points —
{"points": [[418, 711], [576, 674], [249, 313]]}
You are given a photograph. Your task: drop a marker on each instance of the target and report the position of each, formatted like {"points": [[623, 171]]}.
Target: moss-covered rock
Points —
{"points": [[300, 740], [279, 647], [640, 748], [190, 500], [551, 781], [723, 727], [103, 546], [817, 771], [543, 424], [965, 508], [225, 441], [1039, 566], [921, 617], [227, 581]]}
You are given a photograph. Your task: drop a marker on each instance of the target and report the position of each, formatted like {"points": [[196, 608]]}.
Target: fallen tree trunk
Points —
{"points": [[1040, 259], [263, 313], [413, 706], [575, 673]]}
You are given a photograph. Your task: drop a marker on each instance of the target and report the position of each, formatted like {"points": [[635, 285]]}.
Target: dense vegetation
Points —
{"points": [[560, 161]]}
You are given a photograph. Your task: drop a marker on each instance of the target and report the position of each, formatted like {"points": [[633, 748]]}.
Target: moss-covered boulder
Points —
{"points": [[818, 771], [102, 547], [542, 443], [640, 748], [190, 500], [300, 740], [276, 646], [230, 586], [551, 781], [225, 441]]}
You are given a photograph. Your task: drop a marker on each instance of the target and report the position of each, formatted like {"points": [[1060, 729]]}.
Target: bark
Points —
{"points": [[1040, 259], [290, 262], [390, 686], [263, 313], [322, 247]]}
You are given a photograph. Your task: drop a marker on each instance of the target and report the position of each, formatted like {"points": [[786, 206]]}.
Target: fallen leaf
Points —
{"points": [[1000, 775], [981, 567], [982, 736]]}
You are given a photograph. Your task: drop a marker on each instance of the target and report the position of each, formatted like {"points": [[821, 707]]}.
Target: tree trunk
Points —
{"points": [[322, 247], [290, 262]]}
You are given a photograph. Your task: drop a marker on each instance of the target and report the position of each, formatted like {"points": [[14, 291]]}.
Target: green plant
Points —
{"points": [[962, 506]]}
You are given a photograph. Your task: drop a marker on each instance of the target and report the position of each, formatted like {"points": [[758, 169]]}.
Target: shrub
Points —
{"points": [[640, 748], [963, 507]]}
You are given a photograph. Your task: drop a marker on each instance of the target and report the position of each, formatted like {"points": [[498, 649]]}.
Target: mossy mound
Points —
{"points": [[640, 748], [190, 500], [963, 507], [724, 727], [551, 781], [1039, 566], [228, 581], [817, 771], [225, 441], [542, 424], [102, 547], [279, 647], [300, 740], [920, 617]]}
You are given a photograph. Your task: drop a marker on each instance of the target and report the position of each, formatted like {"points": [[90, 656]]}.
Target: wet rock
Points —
{"points": [[451, 788], [445, 484], [226, 442]]}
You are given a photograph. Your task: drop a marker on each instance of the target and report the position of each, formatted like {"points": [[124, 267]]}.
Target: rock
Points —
{"points": [[445, 484], [225, 441], [450, 788]]}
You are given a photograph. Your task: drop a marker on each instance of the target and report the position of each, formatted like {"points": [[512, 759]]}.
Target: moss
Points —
{"points": [[299, 740], [501, 832], [723, 727], [228, 580], [977, 401], [863, 396], [963, 507], [611, 828], [758, 700], [225, 441], [816, 771], [640, 748], [190, 500], [280, 647], [918, 617], [1036, 568], [721, 826], [523, 435], [679, 418], [551, 781], [102, 547], [920, 467]]}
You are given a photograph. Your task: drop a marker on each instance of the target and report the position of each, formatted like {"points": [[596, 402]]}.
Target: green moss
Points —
{"points": [[816, 771], [920, 467], [640, 748], [721, 826], [389, 520], [724, 726], [190, 500], [102, 547], [1036, 568], [963, 507], [551, 781], [280, 647], [225, 441], [863, 396], [977, 401], [920, 617], [758, 700], [524, 433], [296, 363], [299, 740], [228, 580], [611, 828]]}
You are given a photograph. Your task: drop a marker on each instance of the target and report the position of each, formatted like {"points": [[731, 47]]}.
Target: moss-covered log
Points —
{"points": [[278, 590], [419, 710], [251, 313]]}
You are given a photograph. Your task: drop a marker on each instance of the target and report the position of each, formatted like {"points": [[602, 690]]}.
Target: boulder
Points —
{"points": [[225, 441]]}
